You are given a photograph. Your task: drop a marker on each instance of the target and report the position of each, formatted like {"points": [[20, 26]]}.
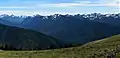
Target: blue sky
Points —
{"points": [[47, 7]]}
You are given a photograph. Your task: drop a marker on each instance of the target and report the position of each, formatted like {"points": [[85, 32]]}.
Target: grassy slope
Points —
{"points": [[99, 49]]}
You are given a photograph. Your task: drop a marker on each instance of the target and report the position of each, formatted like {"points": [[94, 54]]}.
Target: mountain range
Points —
{"points": [[67, 29]]}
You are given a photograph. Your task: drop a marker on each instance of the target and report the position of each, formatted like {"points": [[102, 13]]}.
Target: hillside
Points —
{"points": [[25, 39], [96, 49]]}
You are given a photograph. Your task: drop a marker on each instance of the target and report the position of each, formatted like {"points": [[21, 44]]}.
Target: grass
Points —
{"points": [[96, 49]]}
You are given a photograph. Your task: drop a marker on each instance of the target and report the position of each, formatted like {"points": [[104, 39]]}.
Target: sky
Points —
{"points": [[49, 7]]}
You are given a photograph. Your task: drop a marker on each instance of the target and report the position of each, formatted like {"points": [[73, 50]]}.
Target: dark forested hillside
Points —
{"points": [[19, 38]]}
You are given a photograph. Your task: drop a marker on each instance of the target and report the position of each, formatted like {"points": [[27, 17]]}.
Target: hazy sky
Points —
{"points": [[46, 7]]}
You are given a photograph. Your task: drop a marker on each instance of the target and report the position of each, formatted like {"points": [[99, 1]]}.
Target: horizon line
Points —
{"points": [[60, 14]]}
